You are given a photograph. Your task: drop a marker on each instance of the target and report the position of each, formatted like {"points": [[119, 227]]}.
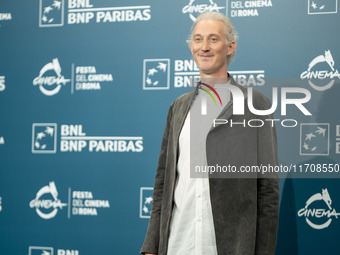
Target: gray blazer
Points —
{"points": [[245, 210]]}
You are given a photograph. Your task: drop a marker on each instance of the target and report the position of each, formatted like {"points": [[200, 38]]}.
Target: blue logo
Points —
{"points": [[44, 138], [51, 13], [314, 139], [322, 6], [145, 202], [40, 250], [156, 74]]}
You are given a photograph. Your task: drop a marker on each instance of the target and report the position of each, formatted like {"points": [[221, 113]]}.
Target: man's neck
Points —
{"points": [[213, 79]]}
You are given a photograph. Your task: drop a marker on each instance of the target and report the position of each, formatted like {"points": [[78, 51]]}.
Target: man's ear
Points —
{"points": [[231, 48]]}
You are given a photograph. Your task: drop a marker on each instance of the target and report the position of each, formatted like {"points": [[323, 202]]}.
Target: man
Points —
{"points": [[194, 216]]}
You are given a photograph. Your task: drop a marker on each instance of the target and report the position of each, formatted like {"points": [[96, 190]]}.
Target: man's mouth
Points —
{"points": [[205, 56]]}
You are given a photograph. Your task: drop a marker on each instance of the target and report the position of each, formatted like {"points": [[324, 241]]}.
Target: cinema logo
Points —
{"points": [[50, 79], [5, 16], [46, 202], [84, 78], [84, 12], [247, 8], [186, 74], [319, 79], [319, 217], [80, 203], [196, 7]]}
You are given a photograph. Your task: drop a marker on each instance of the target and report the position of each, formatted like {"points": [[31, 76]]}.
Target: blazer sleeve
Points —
{"points": [[268, 194], [151, 241]]}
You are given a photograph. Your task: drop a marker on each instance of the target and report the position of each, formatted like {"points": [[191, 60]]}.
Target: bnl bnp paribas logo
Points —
{"points": [[322, 7], [318, 211], [74, 139], [51, 13], [41, 250], [2, 83], [156, 74], [185, 74], [321, 73], [314, 139], [145, 202]]}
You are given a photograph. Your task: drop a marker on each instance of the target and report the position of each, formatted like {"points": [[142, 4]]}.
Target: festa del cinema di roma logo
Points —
{"points": [[308, 212], [50, 79], [47, 208], [82, 203], [195, 8], [312, 73]]}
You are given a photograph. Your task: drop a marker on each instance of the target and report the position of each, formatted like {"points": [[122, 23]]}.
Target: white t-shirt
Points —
{"points": [[192, 228]]}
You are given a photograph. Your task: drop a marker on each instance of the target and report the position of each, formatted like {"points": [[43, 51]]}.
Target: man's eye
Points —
{"points": [[213, 39], [197, 39]]}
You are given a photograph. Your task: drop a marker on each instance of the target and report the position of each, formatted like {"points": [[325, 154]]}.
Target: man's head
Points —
{"points": [[212, 41]]}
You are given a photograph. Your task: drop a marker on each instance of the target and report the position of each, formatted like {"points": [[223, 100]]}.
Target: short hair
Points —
{"points": [[230, 32]]}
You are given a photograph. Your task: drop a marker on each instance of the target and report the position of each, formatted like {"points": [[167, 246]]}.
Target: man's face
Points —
{"points": [[209, 48]]}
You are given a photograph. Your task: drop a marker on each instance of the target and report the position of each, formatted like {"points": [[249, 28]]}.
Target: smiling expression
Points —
{"points": [[210, 49]]}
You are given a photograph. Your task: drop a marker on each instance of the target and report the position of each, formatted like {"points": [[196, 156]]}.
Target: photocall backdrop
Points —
{"points": [[85, 87]]}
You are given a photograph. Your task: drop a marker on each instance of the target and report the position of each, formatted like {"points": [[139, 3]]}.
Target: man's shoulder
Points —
{"points": [[183, 100], [260, 100]]}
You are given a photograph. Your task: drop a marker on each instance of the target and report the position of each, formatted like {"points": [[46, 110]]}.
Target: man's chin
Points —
{"points": [[205, 68], [206, 71]]}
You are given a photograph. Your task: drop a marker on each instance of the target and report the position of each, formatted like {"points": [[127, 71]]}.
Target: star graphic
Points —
{"points": [[49, 131], [148, 200], [314, 148], [309, 136], [44, 18], [145, 209], [37, 144], [155, 83], [40, 136], [161, 66], [148, 81], [48, 9], [305, 146], [57, 4], [322, 7], [314, 5], [152, 71], [321, 131]]}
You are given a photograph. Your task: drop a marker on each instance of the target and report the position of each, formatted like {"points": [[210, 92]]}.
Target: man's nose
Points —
{"points": [[205, 45]]}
